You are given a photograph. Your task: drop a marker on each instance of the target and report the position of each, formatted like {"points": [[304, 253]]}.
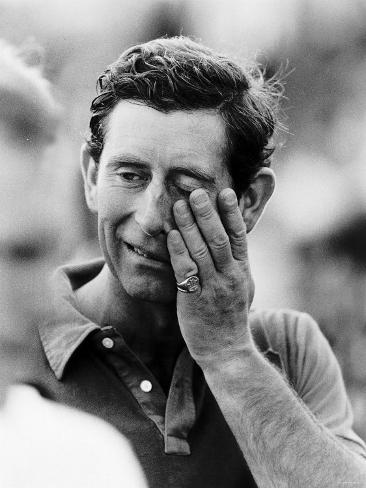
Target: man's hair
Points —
{"points": [[170, 74]]}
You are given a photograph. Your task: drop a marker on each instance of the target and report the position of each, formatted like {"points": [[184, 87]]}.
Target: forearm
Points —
{"points": [[282, 442]]}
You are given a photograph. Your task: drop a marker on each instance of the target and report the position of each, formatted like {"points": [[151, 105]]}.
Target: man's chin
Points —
{"points": [[151, 292], [162, 298]]}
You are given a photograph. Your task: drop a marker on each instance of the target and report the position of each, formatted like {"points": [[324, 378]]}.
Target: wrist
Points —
{"points": [[226, 357]]}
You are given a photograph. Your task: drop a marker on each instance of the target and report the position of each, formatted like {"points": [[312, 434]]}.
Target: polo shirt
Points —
{"points": [[181, 439]]}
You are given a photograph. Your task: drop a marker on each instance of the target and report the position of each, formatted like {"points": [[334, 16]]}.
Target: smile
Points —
{"points": [[145, 254], [138, 251]]}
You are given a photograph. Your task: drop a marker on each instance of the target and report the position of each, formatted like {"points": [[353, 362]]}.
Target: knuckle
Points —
{"points": [[205, 212], [220, 242], [233, 276], [192, 271], [186, 273], [238, 237], [231, 210], [185, 270], [238, 234], [180, 251], [232, 282], [201, 253], [188, 223]]}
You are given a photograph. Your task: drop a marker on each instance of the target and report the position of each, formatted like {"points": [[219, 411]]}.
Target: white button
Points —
{"points": [[108, 342], [146, 386]]}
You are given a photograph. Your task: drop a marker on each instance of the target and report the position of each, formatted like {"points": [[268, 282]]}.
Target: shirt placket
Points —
{"points": [[180, 413], [174, 415], [135, 375]]}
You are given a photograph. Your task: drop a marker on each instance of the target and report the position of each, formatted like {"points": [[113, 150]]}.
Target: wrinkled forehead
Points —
{"points": [[195, 138]]}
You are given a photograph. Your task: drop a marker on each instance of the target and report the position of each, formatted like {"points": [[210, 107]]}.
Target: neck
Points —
{"points": [[150, 329]]}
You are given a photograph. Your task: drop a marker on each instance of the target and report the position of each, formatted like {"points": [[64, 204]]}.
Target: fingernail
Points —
{"points": [[174, 236], [199, 197], [180, 207], [229, 196]]}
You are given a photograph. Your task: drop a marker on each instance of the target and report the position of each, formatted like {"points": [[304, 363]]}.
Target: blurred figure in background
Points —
{"points": [[42, 444]]}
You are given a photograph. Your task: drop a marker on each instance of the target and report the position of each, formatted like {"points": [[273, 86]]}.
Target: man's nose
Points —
{"points": [[154, 214]]}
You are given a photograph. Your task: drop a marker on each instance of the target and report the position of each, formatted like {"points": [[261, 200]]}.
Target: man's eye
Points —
{"points": [[184, 191], [185, 185], [187, 188], [129, 176]]}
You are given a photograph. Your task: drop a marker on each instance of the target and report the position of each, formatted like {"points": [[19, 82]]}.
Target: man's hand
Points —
{"points": [[214, 319], [283, 443]]}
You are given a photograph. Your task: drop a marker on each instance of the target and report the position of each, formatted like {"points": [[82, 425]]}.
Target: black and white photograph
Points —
{"points": [[183, 244]]}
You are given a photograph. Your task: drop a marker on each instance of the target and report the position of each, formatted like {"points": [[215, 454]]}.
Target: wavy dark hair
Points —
{"points": [[177, 73]]}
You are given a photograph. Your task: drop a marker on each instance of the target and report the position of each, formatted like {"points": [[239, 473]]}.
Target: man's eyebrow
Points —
{"points": [[127, 159]]}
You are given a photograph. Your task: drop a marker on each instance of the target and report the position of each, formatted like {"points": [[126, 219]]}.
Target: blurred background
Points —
{"points": [[309, 250]]}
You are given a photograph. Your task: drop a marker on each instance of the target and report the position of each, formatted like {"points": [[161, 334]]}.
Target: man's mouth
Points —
{"points": [[146, 254]]}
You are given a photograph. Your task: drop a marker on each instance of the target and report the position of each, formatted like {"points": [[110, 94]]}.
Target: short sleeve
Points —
{"points": [[313, 371]]}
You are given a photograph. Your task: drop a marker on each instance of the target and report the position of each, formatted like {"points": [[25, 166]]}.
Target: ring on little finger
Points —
{"points": [[190, 285]]}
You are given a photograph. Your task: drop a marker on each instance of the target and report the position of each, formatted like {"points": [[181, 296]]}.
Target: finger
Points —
{"points": [[233, 222], [183, 264], [192, 237], [212, 229]]}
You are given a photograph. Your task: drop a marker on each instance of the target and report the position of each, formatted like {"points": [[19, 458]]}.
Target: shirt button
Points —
{"points": [[146, 386], [108, 343]]}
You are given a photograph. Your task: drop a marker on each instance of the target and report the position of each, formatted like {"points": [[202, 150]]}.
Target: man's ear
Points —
{"points": [[254, 199], [89, 171]]}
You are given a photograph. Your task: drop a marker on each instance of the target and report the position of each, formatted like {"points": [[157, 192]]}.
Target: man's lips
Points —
{"points": [[147, 253]]}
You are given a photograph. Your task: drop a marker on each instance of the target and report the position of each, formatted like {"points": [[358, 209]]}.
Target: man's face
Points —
{"points": [[151, 159]]}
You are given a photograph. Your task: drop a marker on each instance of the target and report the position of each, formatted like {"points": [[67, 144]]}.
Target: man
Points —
{"points": [[42, 444], [157, 337]]}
